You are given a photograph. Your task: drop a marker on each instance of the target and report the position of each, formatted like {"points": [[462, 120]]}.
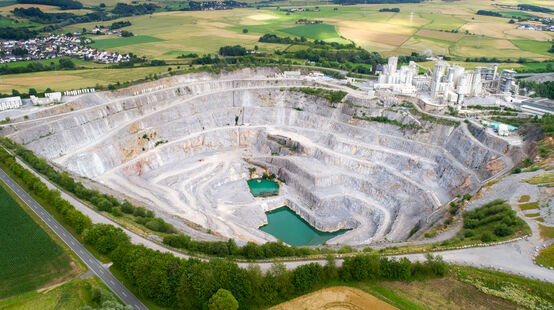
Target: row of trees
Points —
{"points": [[189, 284], [534, 8], [394, 10], [121, 24], [124, 9], [59, 19], [63, 4], [102, 202], [235, 50], [489, 13], [71, 216], [251, 250], [272, 38]]}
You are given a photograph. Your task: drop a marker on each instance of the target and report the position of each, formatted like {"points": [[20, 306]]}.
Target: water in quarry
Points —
{"points": [[287, 226], [263, 187]]}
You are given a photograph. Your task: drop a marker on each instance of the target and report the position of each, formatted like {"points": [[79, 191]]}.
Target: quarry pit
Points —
{"points": [[185, 146]]}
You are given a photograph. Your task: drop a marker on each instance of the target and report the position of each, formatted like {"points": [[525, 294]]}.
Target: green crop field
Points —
{"points": [[316, 32], [29, 258], [117, 42], [534, 46]]}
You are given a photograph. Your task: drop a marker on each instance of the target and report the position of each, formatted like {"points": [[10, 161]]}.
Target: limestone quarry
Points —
{"points": [[186, 145]]}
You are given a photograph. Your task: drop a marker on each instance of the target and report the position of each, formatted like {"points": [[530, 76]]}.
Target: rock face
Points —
{"points": [[184, 146]]}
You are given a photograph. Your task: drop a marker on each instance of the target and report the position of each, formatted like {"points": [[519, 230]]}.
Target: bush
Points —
{"points": [[127, 207], [486, 236], [503, 230]]}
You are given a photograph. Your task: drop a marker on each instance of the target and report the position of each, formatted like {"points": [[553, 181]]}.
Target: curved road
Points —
{"points": [[95, 265]]}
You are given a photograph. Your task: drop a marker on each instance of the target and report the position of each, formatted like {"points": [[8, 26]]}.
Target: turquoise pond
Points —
{"points": [[263, 187], [287, 226]]}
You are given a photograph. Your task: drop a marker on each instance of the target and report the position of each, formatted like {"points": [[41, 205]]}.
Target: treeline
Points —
{"points": [[534, 8], [235, 50], [63, 4], [32, 91], [121, 24], [352, 2], [489, 13], [413, 57], [124, 9], [60, 19], [545, 89], [229, 249], [189, 284], [271, 38], [102, 202], [395, 10], [63, 19], [19, 33], [37, 66]]}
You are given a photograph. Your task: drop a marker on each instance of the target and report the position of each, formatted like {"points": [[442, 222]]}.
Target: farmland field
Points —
{"points": [[534, 46], [315, 31], [117, 42], [431, 27], [419, 27], [78, 63], [29, 258], [65, 80]]}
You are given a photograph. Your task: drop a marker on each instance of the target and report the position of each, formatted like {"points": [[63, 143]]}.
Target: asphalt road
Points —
{"points": [[95, 265]]}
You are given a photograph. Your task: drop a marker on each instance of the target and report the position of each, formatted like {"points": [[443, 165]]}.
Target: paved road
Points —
{"points": [[95, 265]]}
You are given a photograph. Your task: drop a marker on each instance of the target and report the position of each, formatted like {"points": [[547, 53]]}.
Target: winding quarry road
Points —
{"points": [[94, 264]]}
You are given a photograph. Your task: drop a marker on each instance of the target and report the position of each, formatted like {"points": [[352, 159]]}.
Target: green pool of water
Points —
{"points": [[263, 187], [287, 226]]}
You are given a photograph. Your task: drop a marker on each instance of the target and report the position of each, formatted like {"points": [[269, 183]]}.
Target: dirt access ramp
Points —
{"points": [[335, 298]]}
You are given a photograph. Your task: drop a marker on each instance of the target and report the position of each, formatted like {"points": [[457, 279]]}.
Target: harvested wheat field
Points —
{"points": [[335, 298]]}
